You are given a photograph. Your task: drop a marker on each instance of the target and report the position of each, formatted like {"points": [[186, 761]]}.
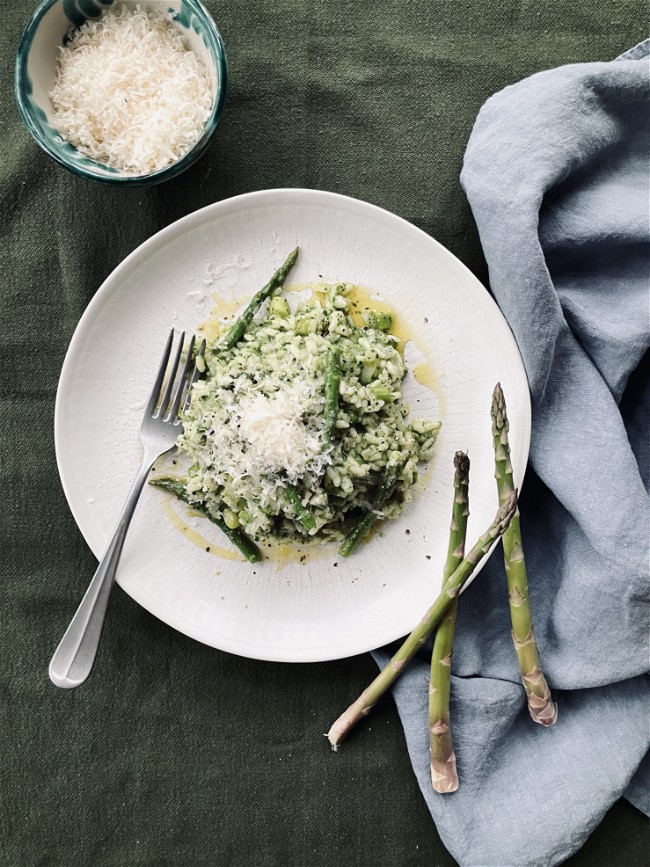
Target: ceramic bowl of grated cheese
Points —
{"points": [[122, 92]]}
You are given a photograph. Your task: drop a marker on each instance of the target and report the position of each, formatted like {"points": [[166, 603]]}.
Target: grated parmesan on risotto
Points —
{"points": [[129, 92], [256, 425]]}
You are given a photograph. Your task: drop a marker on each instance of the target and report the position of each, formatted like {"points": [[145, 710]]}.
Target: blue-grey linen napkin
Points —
{"points": [[557, 175]]}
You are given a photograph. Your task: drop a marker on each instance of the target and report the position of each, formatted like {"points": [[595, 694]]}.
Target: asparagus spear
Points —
{"points": [[235, 334], [237, 536], [451, 588], [540, 702], [358, 533], [332, 381], [443, 759], [303, 514]]}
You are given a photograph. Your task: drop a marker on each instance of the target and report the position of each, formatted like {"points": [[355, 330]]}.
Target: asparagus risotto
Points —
{"points": [[297, 429]]}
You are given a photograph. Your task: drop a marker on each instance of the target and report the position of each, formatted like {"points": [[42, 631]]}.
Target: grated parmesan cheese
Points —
{"points": [[260, 437], [275, 433], [129, 93]]}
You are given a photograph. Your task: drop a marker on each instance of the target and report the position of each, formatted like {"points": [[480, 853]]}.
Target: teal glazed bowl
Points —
{"points": [[36, 72]]}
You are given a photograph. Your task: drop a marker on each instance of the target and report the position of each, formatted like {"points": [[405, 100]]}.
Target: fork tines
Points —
{"points": [[164, 403]]}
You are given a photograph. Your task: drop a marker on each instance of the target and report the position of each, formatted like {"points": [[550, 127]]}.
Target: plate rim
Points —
{"points": [[305, 654]]}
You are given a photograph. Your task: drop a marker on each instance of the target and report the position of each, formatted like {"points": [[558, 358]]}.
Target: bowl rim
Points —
{"points": [[21, 80]]}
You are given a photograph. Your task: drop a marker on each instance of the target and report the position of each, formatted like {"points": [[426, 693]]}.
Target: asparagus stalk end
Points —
{"points": [[444, 776]]}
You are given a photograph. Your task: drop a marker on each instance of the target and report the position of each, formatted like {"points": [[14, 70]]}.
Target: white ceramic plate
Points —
{"points": [[294, 612]]}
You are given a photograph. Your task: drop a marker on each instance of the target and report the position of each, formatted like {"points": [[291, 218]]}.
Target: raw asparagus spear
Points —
{"points": [[236, 332], [237, 536], [358, 533], [451, 588], [303, 514], [443, 759], [332, 381], [540, 702]]}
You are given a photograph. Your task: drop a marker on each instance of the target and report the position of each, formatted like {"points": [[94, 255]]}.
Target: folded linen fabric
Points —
{"points": [[557, 175]]}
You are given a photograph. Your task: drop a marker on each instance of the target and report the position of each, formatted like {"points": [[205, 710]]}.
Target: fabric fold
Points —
{"points": [[556, 172]]}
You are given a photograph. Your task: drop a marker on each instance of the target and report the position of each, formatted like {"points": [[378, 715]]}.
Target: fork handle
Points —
{"points": [[74, 657]]}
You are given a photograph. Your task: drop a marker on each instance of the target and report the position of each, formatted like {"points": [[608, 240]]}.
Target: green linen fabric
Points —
{"points": [[174, 753]]}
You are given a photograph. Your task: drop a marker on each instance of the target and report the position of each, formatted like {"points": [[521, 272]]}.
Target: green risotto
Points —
{"points": [[297, 429]]}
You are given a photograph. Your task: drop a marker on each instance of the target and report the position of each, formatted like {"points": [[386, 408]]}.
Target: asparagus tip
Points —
{"points": [[461, 462], [498, 410]]}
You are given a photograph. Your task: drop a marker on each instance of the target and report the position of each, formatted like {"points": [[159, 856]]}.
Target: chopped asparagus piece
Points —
{"points": [[332, 382], [303, 514], [381, 392], [382, 320], [361, 529], [279, 307], [236, 535], [235, 334]]}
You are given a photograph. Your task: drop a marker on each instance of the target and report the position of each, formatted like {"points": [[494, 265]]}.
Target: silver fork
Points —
{"points": [[161, 425]]}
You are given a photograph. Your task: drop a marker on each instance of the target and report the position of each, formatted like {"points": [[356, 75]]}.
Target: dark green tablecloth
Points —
{"points": [[173, 753]]}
